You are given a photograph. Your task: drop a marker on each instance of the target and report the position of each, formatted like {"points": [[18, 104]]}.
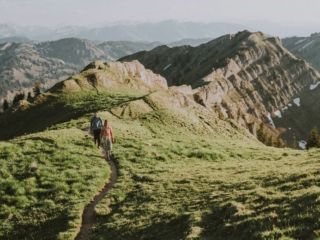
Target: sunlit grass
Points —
{"points": [[194, 187], [46, 180], [183, 174]]}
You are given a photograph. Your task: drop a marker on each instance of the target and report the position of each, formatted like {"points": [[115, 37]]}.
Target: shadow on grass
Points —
{"points": [[285, 216], [49, 229], [162, 228], [46, 140]]}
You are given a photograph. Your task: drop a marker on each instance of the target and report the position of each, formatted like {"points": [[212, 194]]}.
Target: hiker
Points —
{"points": [[95, 127], [108, 138]]}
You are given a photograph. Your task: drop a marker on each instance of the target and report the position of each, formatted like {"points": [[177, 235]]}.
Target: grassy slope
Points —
{"points": [[46, 180], [182, 174], [185, 186], [48, 177]]}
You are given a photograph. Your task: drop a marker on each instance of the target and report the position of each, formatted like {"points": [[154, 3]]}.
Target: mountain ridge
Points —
{"points": [[74, 51], [306, 48], [246, 72]]}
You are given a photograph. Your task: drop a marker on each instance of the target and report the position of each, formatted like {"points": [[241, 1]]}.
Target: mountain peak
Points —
{"points": [[248, 72]]}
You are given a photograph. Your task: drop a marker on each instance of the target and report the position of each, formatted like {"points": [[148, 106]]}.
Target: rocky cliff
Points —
{"points": [[248, 77], [113, 75]]}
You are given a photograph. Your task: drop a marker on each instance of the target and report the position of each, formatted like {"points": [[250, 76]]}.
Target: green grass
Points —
{"points": [[183, 173], [189, 186], [50, 109], [46, 179]]}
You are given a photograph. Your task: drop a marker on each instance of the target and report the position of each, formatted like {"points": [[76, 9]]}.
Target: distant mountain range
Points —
{"points": [[72, 50], [21, 65], [166, 31], [23, 61], [17, 40]]}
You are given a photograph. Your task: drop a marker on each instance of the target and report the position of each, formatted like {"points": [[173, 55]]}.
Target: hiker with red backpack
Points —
{"points": [[108, 138]]}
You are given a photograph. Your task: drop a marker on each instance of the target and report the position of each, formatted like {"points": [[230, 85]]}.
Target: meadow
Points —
{"points": [[182, 174], [46, 180], [190, 186]]}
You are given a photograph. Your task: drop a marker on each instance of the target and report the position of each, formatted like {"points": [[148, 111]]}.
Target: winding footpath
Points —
{"points": [[88, 213]]}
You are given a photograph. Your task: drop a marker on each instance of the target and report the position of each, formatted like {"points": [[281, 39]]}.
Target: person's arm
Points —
{"points": [[91, 125], [101, 134], [101, 123], [111, 133]]}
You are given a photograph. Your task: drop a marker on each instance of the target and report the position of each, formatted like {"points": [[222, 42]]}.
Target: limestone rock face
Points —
{"points": [[114, 75], [185, 89], [137, 70], [248, 77]]}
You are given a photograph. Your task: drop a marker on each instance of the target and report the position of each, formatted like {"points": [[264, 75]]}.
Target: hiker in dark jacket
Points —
{"points": [[95, 127]]}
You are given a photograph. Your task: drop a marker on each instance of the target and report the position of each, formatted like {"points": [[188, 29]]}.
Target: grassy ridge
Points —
{"points": [[48, 177], [191, 186], [183, 174], [46, 180], [50, 109]]}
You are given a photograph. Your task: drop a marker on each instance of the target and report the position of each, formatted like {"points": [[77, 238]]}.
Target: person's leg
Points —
{"points": [[108, 148], [95, 136], [98, 136]]}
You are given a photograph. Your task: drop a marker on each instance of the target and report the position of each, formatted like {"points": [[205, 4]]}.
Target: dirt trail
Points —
{"points": [[88, 213]]}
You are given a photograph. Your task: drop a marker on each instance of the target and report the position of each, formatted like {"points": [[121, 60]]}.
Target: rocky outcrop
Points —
{"points": [[113, 75], [247, 77], [135, 69]]}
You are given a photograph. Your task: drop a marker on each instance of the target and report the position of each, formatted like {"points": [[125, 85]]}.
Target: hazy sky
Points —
{"points": [[84, 12]]}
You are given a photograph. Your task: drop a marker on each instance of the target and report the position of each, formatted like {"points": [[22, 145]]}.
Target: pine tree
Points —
{"points": [[270, 141], [15, 99], [5, 105], [29, 97], [36, 88], [18, 97], [279, 142], [294, 144], [313, 138], [261, 134]]}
